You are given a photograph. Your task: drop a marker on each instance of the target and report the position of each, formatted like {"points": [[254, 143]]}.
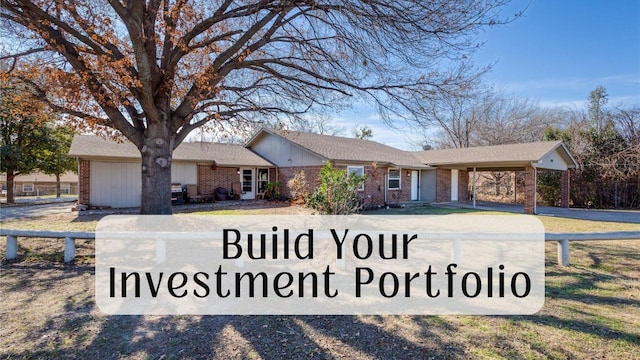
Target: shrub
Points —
{"points": [[298, 187], [272, 190], [337, 193]]}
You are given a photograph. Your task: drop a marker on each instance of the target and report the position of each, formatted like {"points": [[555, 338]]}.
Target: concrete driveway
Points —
{"points": [[630, 216]]}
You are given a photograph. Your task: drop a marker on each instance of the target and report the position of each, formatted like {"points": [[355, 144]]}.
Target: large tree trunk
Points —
{"points": [[10, 196], [156, 172], [57, 185]]}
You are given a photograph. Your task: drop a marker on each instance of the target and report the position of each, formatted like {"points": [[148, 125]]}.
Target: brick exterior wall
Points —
{"points": [[443, 185], [285, 174], [209, 179], [85, 179], [564, 189], [400, 195], [529, 190], [374, 186]]}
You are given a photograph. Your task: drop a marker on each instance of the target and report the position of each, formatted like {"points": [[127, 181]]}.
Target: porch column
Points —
{"points": [[529, 190], [84, 179], [564, 189]]}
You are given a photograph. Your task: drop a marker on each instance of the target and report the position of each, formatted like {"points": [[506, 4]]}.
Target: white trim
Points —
{"points": [[31, 185]]}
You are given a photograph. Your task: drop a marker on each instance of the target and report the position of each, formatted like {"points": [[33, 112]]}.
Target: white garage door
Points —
{"points": [[115, 184]]}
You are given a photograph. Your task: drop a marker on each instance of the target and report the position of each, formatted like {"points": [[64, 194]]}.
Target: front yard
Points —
{"points": [[592, 310]]}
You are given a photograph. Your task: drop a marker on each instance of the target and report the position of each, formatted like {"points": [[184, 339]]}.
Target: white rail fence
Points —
{"points": [[562, 239], [69, 240]]}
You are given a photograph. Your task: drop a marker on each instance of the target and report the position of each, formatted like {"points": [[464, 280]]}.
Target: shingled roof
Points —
{"points": [[490, 156], [90, 146], [343, 149]]}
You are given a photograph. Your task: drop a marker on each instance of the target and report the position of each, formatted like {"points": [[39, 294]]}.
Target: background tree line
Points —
{"points": [[605, 141]]}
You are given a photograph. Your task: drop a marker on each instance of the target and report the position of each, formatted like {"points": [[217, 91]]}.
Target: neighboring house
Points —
{"points": [[40, 184], [110, 172]]}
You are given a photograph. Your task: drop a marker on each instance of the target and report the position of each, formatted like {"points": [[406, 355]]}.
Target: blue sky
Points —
{"points": [[555, 54]]}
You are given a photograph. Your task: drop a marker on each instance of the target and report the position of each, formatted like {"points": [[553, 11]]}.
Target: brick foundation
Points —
{"points": [[84, 177], [529, 190]]}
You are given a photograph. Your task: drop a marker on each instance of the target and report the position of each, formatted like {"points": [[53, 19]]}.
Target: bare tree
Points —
{"points": [[156, 70]]}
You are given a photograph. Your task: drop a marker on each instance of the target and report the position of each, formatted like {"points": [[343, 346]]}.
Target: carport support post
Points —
{"points": [[563, 252], [530, 190], [474, 187], [12, 247], [69, 249], [564, 189]]}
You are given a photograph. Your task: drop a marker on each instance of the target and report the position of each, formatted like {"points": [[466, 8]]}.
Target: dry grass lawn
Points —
{"points": [[592, 311]]}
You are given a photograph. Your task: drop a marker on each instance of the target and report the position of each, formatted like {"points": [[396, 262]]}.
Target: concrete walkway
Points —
{"points": [[630, 216]]}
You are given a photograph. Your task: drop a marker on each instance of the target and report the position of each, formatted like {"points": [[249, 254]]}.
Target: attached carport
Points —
{"points": [[529, 157]]}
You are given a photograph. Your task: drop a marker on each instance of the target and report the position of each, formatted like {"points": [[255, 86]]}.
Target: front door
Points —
{"points": [[414, 185], [247, 184]]}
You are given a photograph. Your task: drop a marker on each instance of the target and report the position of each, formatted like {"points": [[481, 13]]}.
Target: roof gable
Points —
{"points": [[342, 149]]}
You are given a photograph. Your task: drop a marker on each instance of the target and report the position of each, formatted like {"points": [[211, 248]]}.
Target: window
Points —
{"points": [[393, 180], [27, 188], [65, 188], [263, 179], [358, 171]]}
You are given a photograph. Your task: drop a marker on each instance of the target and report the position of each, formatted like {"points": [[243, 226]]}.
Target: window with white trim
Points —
{"points": [[393, 180], [65, 188], [358, 171], [27, 188]]}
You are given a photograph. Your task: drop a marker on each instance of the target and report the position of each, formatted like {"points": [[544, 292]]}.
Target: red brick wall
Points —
{"points": [[374, 186], [287, 173], [404, 193], [443, 185], [85, 179], [209, 179]]}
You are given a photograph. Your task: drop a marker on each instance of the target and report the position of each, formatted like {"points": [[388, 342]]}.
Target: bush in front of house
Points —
{"points": [[298, 188], [338, 192]]}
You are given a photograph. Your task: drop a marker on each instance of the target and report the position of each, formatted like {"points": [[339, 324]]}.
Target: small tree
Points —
{"points": [[298, 187], [54, 159], [23, 134], [338, 192]]}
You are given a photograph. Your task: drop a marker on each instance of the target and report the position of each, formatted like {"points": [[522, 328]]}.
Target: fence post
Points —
{"points": [[69, 249], [12, 247], [563, 252]]}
